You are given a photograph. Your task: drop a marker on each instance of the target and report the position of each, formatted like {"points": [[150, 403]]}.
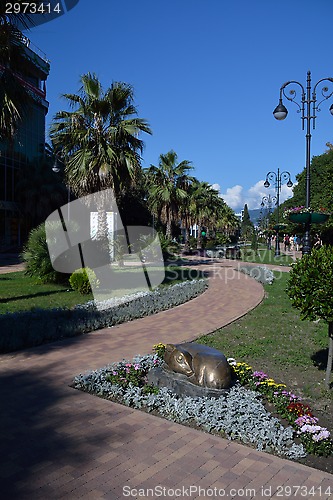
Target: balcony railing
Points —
{"points": [[27, 42]]}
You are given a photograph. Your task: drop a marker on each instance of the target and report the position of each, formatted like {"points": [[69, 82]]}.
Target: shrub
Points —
{"points": [[37, 258], [82, 279], [310, 290], [170, 249]]}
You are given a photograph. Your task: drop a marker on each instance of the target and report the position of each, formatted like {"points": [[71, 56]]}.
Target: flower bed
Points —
{"points": [[260, 273], [316, 439], [240, 414], [30, 328]]}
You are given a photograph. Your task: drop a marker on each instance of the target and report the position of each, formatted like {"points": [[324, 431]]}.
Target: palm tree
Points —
{"points": [[99, 139], [228, 221], [14, 96], [186, 212], [21, 19], [209, 210], [204, 200], [167, 186]]}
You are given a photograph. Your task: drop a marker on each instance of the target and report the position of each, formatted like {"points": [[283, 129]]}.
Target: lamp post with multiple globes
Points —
{"points": [[308, 107], [278, 178]]}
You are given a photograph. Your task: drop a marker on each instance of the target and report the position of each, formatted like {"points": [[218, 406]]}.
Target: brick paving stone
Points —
{"points": [[56, 442]]}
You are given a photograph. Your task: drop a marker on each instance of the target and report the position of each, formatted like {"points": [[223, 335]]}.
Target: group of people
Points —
{"points": [[291, 242], [294, 242]]}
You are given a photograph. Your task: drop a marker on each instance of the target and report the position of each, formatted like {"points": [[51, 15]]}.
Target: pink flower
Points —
{"points": [[292, 397], [312, 429], [323, 434], [305, 419], [136, 366], [260, 375]]}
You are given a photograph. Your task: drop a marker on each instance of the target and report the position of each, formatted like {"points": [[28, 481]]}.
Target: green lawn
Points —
{"points": [[19, 292], [264, 256], [274, 339]]}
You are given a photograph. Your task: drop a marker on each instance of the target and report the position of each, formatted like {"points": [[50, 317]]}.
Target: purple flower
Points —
{"points": [[136, 366], [260, 375], [312, 429], [323, 434], [292, 397], [305, 419]]}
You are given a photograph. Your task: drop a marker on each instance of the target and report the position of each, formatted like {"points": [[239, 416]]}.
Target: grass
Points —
{"points": [[273, 338], [265, 256], [19, 292]]}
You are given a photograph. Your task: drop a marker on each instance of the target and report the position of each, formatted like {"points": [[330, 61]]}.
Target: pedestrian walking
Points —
{"points": [[286, 242]]}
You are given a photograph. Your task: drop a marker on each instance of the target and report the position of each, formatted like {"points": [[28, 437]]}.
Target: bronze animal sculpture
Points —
{"points": [[203, 365]]}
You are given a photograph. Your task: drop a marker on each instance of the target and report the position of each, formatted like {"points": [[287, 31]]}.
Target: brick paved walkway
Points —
{"points": [[57, 442]]}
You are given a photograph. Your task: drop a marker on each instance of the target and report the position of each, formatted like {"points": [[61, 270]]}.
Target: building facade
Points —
{"points": [[28, 147]]}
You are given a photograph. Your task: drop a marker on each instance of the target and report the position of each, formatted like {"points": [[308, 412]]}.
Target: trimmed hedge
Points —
{"points": [[31, 328]]}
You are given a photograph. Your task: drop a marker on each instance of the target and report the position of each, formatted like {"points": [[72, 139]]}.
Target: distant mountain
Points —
{"points": [[255, 215]]}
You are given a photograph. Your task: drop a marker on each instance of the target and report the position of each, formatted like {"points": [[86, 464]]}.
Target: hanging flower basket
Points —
{"points": [[314, 218], [303, 215]]}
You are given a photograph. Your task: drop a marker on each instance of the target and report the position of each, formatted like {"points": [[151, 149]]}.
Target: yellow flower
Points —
{"points": [[158, 346]]}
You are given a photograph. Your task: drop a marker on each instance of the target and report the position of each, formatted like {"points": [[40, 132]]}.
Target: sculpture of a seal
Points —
{"points": [[203, 365]]}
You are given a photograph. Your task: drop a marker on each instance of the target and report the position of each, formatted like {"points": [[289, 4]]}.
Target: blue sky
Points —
{"points": [[206, 75]]}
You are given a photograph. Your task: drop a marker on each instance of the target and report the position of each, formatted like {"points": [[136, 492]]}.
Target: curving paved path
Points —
{"points": [[57, 442]]}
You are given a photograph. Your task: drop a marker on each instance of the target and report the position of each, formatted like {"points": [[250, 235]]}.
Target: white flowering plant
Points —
{"points": [[304, 210]]}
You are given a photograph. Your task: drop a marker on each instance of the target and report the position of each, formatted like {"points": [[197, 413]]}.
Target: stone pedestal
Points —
{"points": [[180, 384]]}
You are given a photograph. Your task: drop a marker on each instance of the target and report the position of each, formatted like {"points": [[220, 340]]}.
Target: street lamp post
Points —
{"points": [[308, 98], [56, 169], [268, 201], [278, 179]]}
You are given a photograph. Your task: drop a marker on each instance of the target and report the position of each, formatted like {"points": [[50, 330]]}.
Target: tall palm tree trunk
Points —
{"points": [[187, 238], [199, 238], [169, 229]]}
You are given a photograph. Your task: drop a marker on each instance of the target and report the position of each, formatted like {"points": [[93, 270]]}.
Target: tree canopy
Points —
{"points": [[99, 137], [310, 290], [321, 194]]}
